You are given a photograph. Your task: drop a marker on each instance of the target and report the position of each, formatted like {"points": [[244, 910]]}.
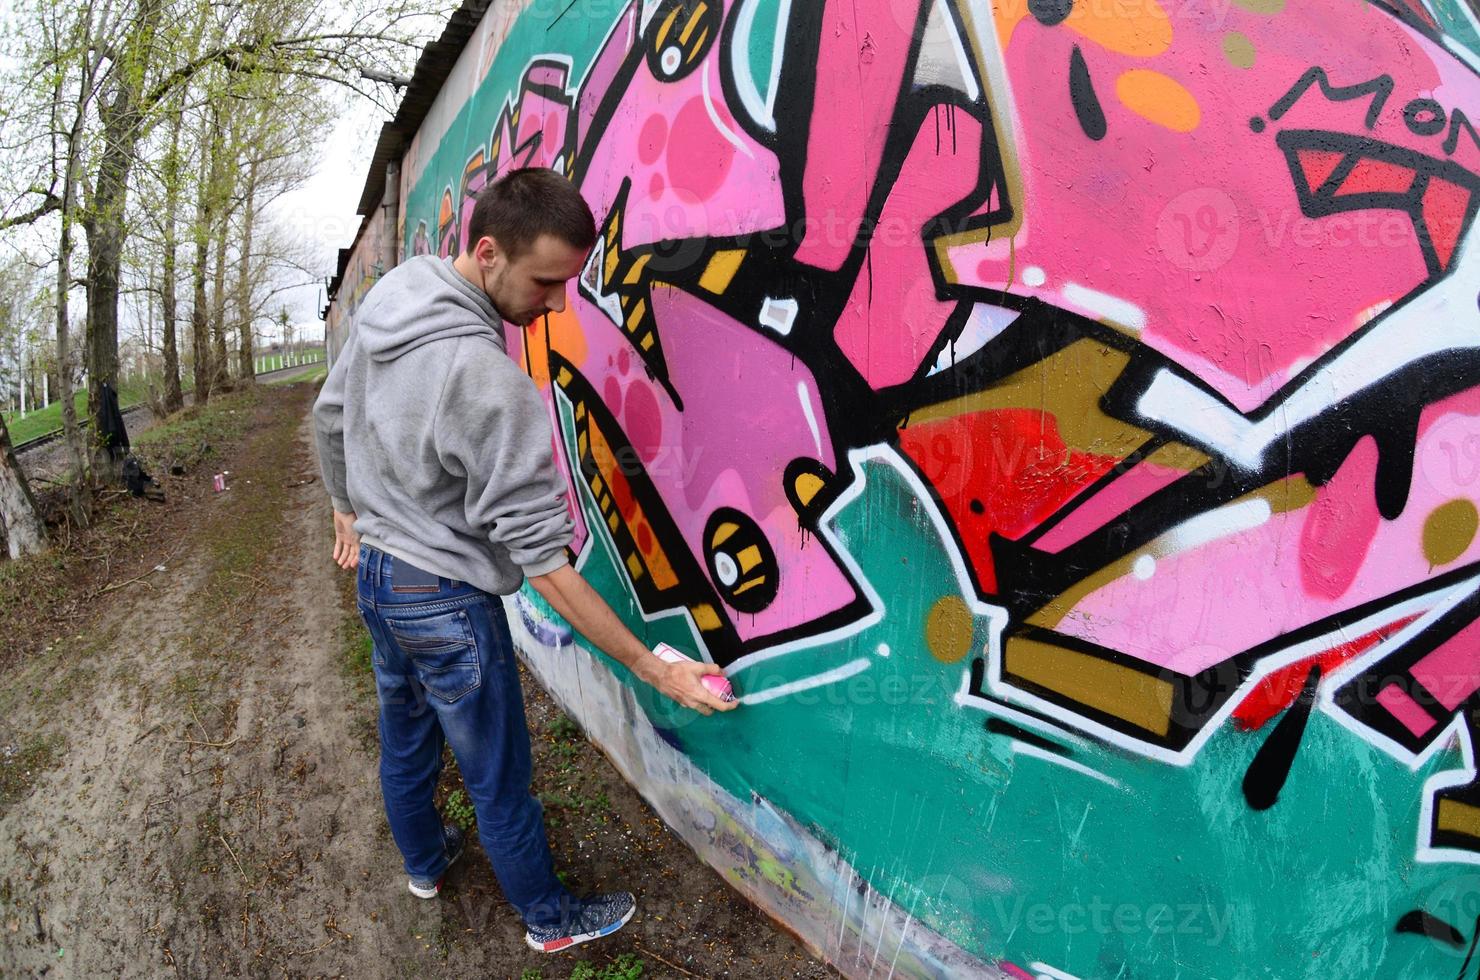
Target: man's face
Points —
{"points": [[524, 289]]}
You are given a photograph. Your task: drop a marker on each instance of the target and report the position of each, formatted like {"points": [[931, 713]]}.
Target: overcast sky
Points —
{"points": [[322, 212]]}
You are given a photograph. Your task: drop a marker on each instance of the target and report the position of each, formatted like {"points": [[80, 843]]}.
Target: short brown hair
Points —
{"points": [[524, 204]]}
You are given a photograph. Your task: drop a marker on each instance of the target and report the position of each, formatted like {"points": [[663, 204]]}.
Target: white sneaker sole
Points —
{"points": [[436, 889]]}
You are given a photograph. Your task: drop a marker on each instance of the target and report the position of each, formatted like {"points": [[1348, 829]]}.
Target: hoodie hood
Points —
{"points": [[421, 300]]}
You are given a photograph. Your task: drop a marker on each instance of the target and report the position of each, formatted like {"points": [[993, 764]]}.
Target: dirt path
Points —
{"points": [[201, 797]]}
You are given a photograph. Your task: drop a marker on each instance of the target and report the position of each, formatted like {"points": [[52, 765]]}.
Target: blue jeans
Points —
{"points": [[444, 669]]}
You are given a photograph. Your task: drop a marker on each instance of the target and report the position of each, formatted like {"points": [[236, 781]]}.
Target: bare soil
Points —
{"points": [[188, 762]]}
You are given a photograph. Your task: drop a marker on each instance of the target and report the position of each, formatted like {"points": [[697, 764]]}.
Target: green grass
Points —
{"points": [[22, 764], [49, 419], [193, 436], [131, 393], [310, 375], [627, 966]]}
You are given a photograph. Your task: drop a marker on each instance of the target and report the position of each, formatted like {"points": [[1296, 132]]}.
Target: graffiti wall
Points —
{"points": [[363, 270], [1061, 418]]}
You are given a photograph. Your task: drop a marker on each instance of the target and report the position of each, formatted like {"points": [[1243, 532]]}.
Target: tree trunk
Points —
{"points": [[25, 534], [244, 281], [105, 245], [174, 399], [200, 324], [71, 432], [219, 359], [121, 117]]}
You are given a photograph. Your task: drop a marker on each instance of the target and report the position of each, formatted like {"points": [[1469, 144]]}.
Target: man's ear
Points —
{"points": [[486, 250]]}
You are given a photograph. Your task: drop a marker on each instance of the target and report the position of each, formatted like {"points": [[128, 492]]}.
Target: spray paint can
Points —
{"points": [[718, 684]]}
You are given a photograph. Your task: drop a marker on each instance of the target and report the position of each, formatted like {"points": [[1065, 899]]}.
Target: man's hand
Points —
{"points": [[681, 682], [346, 541], [582, 607]]}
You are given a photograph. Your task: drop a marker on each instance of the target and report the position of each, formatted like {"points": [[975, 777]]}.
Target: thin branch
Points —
{"points": [[52, 203]]}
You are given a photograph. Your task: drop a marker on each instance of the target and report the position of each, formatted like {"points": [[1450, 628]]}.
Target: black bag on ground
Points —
{"points": [[138, 480]]}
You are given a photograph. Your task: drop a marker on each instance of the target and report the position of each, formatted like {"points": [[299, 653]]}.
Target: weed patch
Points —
{"points": [[194, 435], [459, 809], [627, 966], [22, 763]]}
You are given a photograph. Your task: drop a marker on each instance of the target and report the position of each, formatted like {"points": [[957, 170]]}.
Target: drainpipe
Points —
{"points": [[390, 213]]}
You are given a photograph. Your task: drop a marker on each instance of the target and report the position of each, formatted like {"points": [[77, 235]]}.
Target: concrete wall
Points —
{"points": [[366, 264], [1062, 420]]}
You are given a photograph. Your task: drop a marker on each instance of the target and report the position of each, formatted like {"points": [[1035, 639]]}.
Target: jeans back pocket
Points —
{"points": [[443, 650]]}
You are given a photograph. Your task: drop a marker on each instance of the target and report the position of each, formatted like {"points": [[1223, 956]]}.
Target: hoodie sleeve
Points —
{"points": [[328, 429], [492, 429]]}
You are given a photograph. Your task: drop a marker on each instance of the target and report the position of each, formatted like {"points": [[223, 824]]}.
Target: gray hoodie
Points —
{"points": [[436, 440]]}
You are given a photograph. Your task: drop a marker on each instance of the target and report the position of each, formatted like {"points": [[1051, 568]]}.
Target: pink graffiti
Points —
{"points": [[1187, 608], [694, 172], [700, 459], [893, 317], [860, 70], [1124, 231]]}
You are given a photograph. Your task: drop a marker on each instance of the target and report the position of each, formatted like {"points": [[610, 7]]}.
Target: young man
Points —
{"points": [[436, 452]]}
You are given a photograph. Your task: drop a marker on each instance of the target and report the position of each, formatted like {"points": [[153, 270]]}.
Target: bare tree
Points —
{"points": [[24, 531], [25, 534], [134, 60]]}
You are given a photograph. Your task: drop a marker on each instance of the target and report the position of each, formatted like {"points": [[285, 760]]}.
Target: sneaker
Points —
{"points": [[452, 842], [600, 915]]}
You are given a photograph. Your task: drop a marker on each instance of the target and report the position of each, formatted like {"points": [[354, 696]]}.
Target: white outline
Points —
{"points": [[604, 300], [965, 699], [724, 130], [1050, 973], [1430, 323], [1121, 312], [805, 394], [762, 112], [996, 615], [1034, 752], [1454, 731], [772, 305], [842, 673], [1059, 714]]}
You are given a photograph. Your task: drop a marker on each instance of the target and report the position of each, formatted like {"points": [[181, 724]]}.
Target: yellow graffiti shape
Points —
{"points": [[1160, 99], [1139, 29], [948, 630], [1449, 531]]}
